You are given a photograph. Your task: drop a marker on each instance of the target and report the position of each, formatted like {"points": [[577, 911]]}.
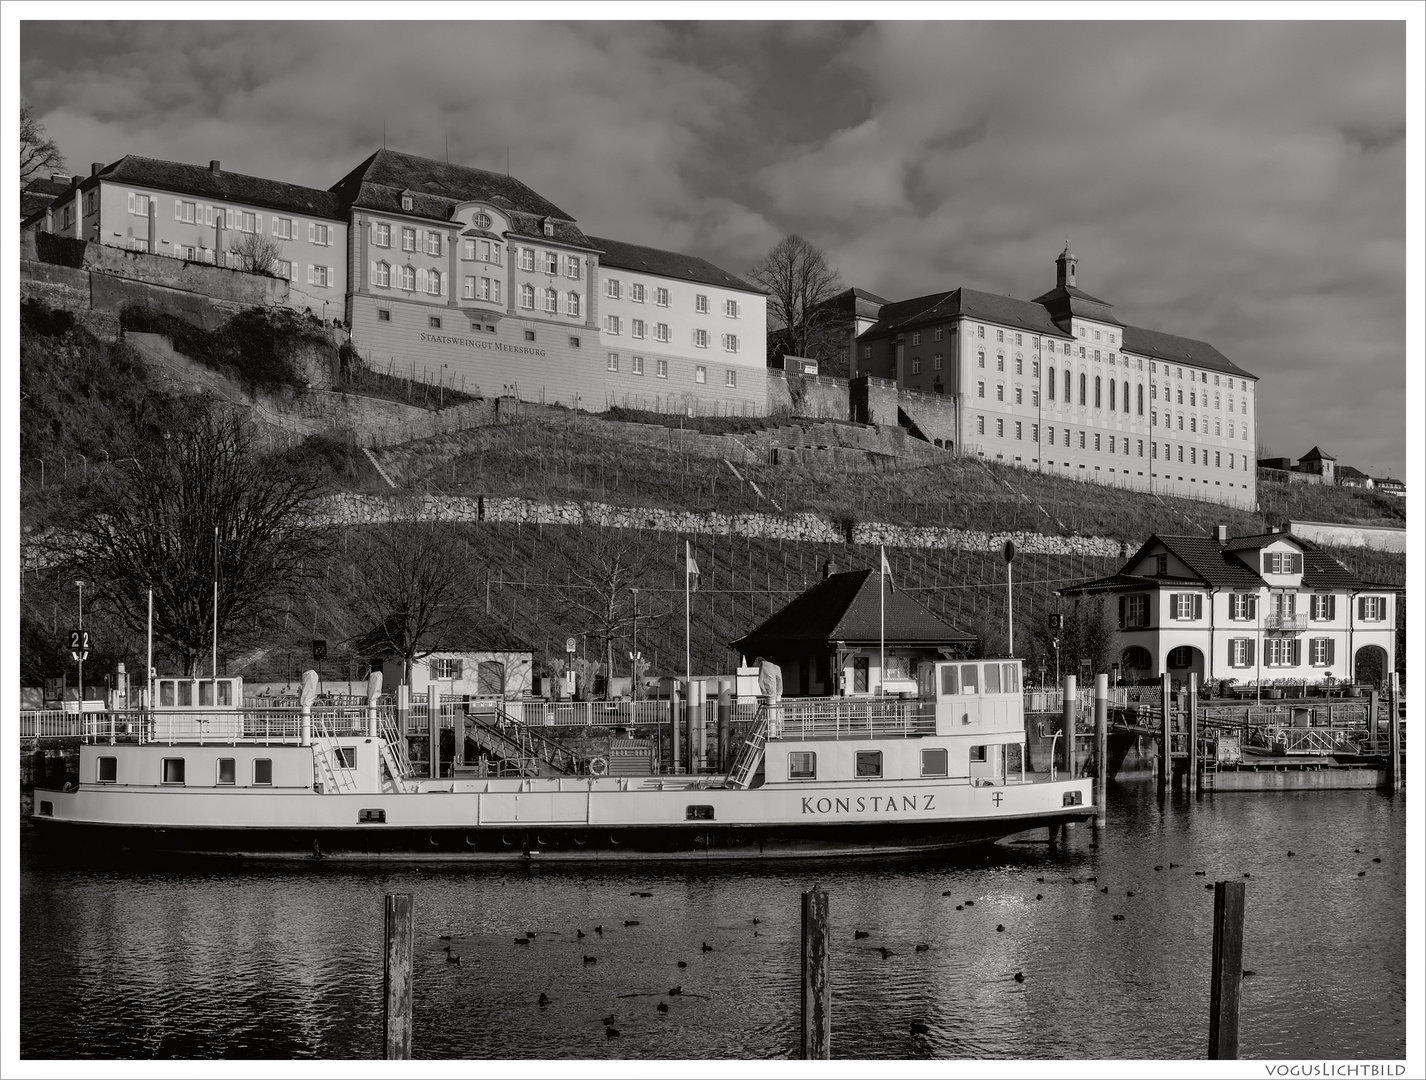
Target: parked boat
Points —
{"points": [[199, 773]]}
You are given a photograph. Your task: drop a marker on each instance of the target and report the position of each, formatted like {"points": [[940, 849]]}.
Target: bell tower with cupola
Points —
{"points": [[1064, 268]]}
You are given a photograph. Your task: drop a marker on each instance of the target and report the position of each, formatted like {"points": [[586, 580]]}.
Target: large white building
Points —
{"points": [[1256, 609], [1059, 385]]}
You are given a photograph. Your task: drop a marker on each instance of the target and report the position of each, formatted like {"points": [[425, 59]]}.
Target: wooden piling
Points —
{"points": [[1101, 747], [816, 978], [396, 995], [1070, 704], [1373, 709], [1190, 777], [725, 722], [1165, 738], [1224, 996]]}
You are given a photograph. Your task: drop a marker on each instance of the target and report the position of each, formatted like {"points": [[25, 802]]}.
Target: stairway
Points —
{"points": [[748, 756], [529, 752]]}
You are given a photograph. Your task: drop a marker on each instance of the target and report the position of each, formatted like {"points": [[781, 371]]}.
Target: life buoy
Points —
{"points": [[598, 767]]}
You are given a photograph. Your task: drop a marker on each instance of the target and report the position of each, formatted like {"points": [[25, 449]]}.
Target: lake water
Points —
{"points": [[286, 962]]}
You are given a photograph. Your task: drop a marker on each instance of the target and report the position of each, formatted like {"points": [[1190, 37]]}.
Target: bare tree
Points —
{"points": [[800, 285], [599, 592], [197, 507], [414, 588], [257, 252], [38, 152]]}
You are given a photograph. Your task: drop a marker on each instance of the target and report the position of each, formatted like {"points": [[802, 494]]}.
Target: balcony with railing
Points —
{"points": [[1287, 622]]}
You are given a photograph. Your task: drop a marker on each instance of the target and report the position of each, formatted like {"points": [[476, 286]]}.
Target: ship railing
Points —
{"points": [[48, 724], [842, 718], [200, 726]]}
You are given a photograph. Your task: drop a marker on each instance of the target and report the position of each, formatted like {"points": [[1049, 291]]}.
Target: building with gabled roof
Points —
{"points": [[828, 639], [1062, 385], [1272, 607]]}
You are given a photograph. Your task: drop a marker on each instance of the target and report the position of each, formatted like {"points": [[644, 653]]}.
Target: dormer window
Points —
{"points": [[549, 228], [1282, 562], [406, 202], [1161, 565]]}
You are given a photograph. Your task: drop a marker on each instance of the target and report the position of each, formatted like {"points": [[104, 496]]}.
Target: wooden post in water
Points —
{"points": [[1101, 746], [1373, 707], [1071, 704], [396, 985], [1227, 976], [1165, 739], [816, 978], [725, 722], [1190, 778]]}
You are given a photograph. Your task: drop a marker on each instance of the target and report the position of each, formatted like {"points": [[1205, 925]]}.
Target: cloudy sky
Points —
{"points": [[1242, 183]]}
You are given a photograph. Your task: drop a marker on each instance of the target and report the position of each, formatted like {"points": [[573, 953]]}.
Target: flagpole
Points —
{"points": [[687, 619], [148, 676], [883, 619], [215, 614]]}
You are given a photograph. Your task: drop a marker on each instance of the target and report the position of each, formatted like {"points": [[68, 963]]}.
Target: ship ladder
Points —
{"points": [[748, 757], [334, 779]]}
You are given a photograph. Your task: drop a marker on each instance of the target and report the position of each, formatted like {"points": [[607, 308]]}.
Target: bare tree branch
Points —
{"points": [[38, 152], [800, 283], [258, 252]]}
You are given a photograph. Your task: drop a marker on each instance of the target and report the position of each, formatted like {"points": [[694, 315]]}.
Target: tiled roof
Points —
{"points": [[1179, 350], [1348, 472], [846, 607], [1217, 567], [436, 188], [200, 180], [1065, 300], [967, 303], [667, 264], [1316, 455]]}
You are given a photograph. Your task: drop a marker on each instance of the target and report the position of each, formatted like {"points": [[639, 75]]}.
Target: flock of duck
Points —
{"points": [[917, 1027]]}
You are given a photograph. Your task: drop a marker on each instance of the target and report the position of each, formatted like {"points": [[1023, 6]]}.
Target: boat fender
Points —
{"points": [[598, 767]]}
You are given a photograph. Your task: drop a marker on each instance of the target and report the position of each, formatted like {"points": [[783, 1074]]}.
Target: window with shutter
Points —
{"points": [[1198, 607], [1251, 653]]}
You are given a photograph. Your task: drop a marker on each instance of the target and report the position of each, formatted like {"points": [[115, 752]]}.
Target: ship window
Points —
{"points": [[977, 753], [225, 692], [205, 693], [1010, 676], [185, 694], [698, 813], [165, 693], [802, 765], [950, 684], [262, 771], [173, 770], [992, 678], [969, 679], [108, 770], [371, 816], [227, 771], [346, 757], [868, 763], [933, 763]]}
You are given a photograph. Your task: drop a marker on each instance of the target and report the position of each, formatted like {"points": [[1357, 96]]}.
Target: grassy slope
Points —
{"points": [[83, 394]]}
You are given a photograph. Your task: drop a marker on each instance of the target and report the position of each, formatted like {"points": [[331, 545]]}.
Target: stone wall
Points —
{"points": [[352, 509], [1376, 537], [817, 397]]}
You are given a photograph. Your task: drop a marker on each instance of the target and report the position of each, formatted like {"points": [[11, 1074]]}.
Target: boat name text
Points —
{"points": [[861, 804]]}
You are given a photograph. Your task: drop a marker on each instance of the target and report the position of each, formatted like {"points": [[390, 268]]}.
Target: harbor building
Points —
{"points": [[204, 215], [1255, 609], [1059, 384]]}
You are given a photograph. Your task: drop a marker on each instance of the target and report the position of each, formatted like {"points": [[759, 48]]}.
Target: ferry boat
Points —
{"points": [[201, 773]]}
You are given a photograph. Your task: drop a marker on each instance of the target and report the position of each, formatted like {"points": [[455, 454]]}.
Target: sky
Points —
{"points": [[1241, 183]]}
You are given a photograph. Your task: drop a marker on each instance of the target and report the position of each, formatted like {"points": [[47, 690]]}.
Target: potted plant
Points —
{"points": [[1272, 691]]}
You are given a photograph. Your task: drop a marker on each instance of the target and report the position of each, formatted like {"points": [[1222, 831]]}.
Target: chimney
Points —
{"points": [[94, 167], [828, 569], [215, 167], [1222, 535]]}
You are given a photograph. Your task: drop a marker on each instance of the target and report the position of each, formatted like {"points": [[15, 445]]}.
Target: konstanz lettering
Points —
{"points": [[879, 804], [472, 343]]}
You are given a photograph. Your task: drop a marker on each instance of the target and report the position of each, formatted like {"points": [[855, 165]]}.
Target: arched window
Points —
{"points": [[1083, 383], [1098, 401], [382, 276], [433, 282], [1141, 400], [1052, 384], [552, 301], [527, 297], [1111, 394], [1069, 397], [571, 304], [408, 278], [1126, 395]]}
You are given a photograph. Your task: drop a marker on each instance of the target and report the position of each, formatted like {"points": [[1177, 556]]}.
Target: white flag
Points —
{"points": [[691, 569], [886, 571]]}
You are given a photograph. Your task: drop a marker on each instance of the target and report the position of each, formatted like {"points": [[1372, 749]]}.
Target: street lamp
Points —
{"points": [[79, 652]]}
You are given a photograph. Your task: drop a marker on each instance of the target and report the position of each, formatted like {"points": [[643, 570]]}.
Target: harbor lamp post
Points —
{"points": [[79, 656], [634, 656]]}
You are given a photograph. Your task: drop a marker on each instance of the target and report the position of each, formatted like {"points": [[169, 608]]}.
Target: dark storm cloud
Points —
{"points": [[1243, 183]]}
